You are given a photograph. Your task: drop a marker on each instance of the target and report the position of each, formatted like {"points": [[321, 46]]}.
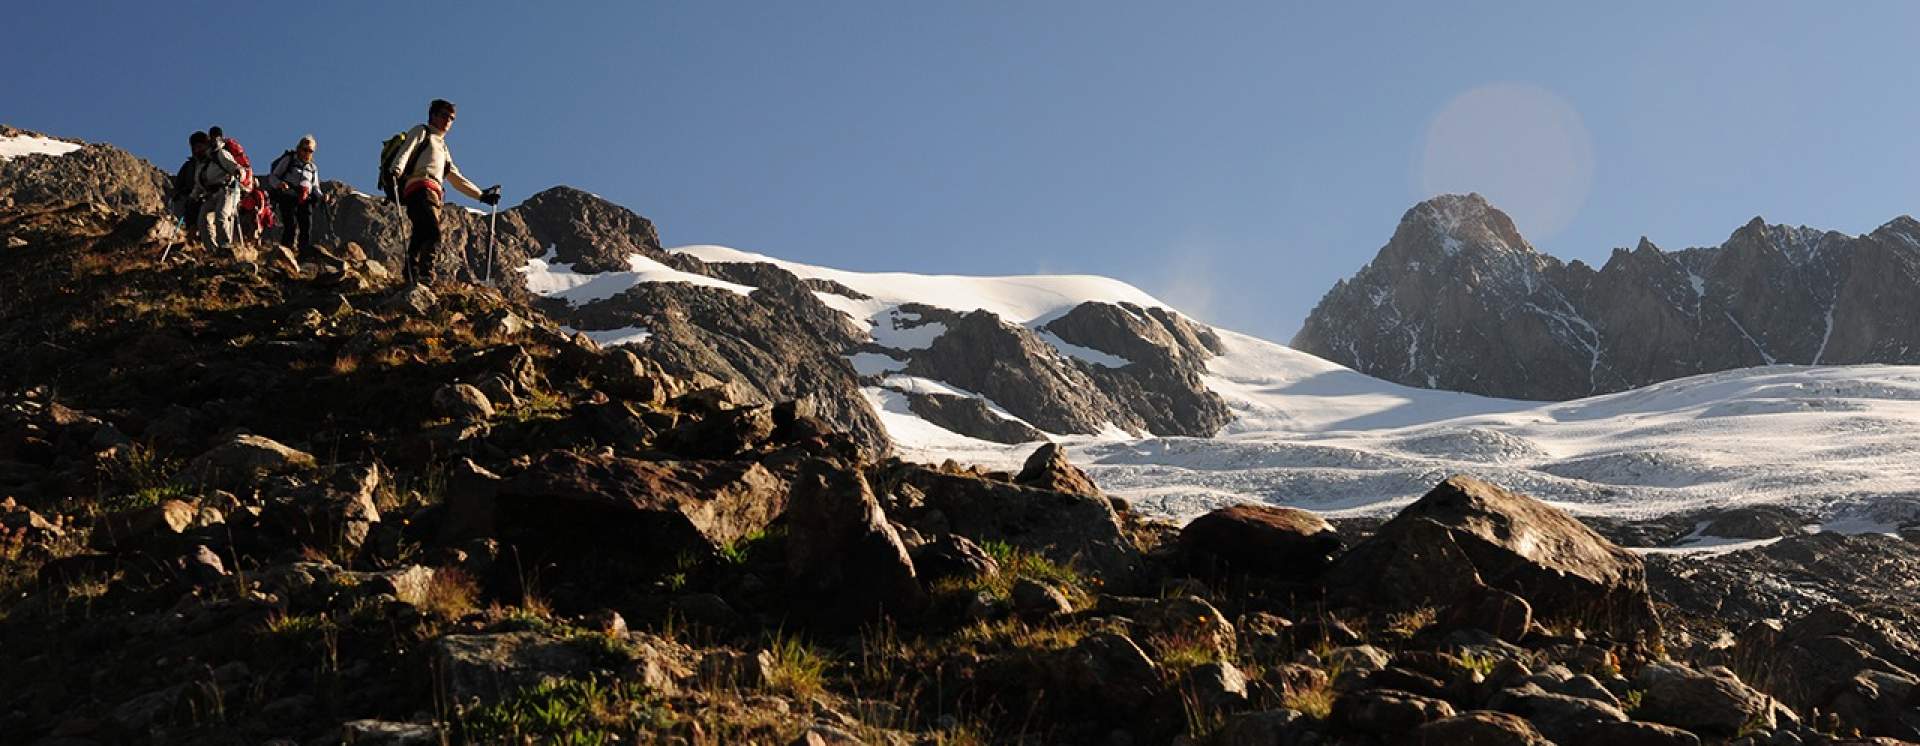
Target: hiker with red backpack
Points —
{"points": [[412, 172], [216, 187], [294, 182]]}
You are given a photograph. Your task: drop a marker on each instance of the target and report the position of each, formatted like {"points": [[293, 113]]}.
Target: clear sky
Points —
{"points": [[1234, 159]]}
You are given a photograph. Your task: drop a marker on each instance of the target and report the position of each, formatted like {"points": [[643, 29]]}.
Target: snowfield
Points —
{"points": [[1841, 442], [19, 145]]}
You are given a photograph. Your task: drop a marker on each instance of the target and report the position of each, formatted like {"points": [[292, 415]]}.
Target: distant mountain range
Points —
{"points": [[1458, 300]]}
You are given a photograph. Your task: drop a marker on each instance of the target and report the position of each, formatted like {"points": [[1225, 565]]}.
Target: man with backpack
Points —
{"points": [[217, 188], [295, 184], [180, 195], [413, 172]]}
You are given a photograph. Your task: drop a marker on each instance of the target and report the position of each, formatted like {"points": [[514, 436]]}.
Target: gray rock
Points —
{"points": [[969, 416], [1388, 713], [1480, 728], [414, 299], [484, 668], [952, 556], [1713, 703], [383, 733], [841, 548], [462, 402], [245, 458], [1215, 687], [1287, 543], [1559, 716], [1467, 534], [1036, 600], [1632, 734]]}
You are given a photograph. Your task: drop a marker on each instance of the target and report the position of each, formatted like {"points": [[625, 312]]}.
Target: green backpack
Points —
{"points": [[389, 152]]}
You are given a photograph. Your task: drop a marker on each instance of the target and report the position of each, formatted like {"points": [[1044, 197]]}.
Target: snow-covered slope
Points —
{"points": [[1840, 441], [14, 146]]}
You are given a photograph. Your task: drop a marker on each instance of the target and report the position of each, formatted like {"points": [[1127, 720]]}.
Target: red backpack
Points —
{"points": [[240, 156]]}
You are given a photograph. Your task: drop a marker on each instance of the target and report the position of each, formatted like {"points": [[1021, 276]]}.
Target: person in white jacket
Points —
{"points": [[423, 164], [216, 181], [294, 182]]}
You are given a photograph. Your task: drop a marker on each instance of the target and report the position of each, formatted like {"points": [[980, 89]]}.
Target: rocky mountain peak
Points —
{"points": [[1450, 225], [588, 232]]}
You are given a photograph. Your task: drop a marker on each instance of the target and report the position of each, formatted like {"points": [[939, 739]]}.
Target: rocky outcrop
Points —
{"points": [[969, 416], [1466, 535], [95, 176], [1286, 543], [1458, 300], [588, 232], [650, 508]]}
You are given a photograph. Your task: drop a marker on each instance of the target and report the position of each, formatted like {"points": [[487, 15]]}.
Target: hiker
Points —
{"points": [[216, 184], [180, 199], [294, 182], [417, 170]]}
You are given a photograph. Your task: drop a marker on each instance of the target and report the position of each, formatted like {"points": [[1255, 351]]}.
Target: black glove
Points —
{"points": [[491, 196]]}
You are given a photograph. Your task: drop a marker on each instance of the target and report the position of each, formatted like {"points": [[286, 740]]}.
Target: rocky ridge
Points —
{"points": [[1458, 300]]}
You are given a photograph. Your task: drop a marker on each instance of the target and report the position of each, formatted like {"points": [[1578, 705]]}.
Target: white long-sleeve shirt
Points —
{"points": [[435, 162]]}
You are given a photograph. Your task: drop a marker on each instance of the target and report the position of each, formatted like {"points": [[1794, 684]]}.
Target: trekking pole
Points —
{"points": [[493, 211]]}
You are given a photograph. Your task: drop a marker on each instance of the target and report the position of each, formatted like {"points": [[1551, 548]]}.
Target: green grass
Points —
{"points": [[1016, 563], [799, 669], [576, 712]]}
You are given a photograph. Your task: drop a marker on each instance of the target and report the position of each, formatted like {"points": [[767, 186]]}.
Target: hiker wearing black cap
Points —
{"points": [[416, 171], [294, 182], [216, 185]]}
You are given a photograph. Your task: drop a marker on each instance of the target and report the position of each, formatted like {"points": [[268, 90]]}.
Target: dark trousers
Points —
{"points": [[423, 211], [297, 219]]}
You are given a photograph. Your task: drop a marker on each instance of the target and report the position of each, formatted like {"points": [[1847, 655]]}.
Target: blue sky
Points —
{"points": [[1233, 158]]}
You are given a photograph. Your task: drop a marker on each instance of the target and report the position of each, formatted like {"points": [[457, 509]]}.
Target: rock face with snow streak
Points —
{"points": [[1458, 300]]}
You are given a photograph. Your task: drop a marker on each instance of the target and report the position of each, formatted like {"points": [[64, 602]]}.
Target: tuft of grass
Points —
{"points": [[298, 627], [1406, 624], [1481, 663], [1316, 703], [799, 669], [1631, 702], [1012, 633], [450, 594], [567, 711], [1184, 652], [1016, 563]]}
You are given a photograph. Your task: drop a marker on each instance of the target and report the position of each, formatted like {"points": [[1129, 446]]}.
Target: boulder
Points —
{"points": [[384, 733], [722, 434], [1559, 716], [131, 528], [244, 458], [413, 300], [337, 511], [1035, 600], [841, 549], [1263, 728], [1075, 530], [472, 494], [952, 556], [1502, 614], [1049, 469], [1183, 620], [1388, 713], [1285, 543], [462, 402], [1111, 669], [1214, 687], [578, 505], [1879, 704], [1633, 733], [1467, 534], [1480, 728], [1710, 703], [484, 668]]}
